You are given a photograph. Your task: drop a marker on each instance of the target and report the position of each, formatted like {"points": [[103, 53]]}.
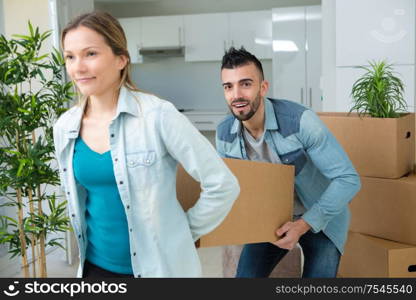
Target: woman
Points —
{"points": [[118, 150]]}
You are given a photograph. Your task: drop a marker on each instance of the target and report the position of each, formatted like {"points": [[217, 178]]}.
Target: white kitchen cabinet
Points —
{"points": [[205, 120], [163, 31], [297, 55], [206, 37], [132, 29], [375, 30], [313, 57], [253, 30]]}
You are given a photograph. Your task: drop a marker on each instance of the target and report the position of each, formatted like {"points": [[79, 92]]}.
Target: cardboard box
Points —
{"points": [[264, 204], [377, 147], [386, 208], [367, 256]]}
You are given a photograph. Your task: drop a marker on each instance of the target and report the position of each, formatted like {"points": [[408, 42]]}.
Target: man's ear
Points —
{"points": [[264, 88]]}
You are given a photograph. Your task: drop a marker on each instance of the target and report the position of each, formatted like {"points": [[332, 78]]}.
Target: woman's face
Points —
{"points": [[91, 63]]}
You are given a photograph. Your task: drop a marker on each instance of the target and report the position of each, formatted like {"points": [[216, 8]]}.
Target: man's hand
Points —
{"points": [[291, 233]]}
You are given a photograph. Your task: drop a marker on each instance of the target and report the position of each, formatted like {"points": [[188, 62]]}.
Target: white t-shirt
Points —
{"points": [[258, 150]]}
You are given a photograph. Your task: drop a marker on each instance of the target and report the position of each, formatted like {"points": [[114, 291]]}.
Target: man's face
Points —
{"points": [[244, 90]]}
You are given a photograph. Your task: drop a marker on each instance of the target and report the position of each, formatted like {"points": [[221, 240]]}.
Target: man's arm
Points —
{"points": [[332, 161]]}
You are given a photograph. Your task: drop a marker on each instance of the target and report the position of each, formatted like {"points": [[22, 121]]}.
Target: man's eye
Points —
{"points": [[68, 57], [246, 84], [91, 53]]}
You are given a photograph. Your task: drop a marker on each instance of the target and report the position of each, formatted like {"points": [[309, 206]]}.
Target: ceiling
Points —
{"points": [[139, 8]]}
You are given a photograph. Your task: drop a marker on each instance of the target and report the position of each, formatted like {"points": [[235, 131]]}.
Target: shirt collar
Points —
{"points": [[126, 104], [270, 119]]}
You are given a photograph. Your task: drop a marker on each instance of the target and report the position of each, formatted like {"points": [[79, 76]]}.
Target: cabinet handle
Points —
{"points": [[310, 97], [301, 96], [204, 122]]}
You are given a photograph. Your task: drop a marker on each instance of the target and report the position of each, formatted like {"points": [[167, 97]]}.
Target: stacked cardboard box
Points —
{"points": [[382, 238]]}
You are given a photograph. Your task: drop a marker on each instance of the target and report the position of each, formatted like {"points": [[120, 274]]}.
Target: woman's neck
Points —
{"points": [[102, 106]]}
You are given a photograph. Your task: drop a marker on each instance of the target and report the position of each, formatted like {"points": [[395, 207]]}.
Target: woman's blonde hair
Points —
{"points": [[109, 27]]}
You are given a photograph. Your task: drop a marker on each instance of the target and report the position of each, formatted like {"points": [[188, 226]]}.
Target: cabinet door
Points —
{"points": [[132, 29], [289, 63], [253, 30], [206, 37], [164, 31], [313, 57]]}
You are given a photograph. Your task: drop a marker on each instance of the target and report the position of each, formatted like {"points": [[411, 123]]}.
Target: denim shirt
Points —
{"points": [[325, 179], [148, 138]]}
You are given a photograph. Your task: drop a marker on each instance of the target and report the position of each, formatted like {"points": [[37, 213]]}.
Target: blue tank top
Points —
{"points": [[107, 229]]}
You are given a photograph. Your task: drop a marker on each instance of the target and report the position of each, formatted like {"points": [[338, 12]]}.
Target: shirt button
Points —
{"points": [[128, 206], [131, 230], [147, 161], [112, 135], [138, 275], [134, 254], [68, 193], [64, 170], [116, 159], [73, 215], [121, 182], [79, 236]]}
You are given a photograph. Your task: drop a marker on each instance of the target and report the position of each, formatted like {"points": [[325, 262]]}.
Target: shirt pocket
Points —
{"points": [[141, 169], [295, 158]]}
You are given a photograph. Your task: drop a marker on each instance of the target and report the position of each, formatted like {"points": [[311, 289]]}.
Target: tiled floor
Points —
{"points": [[211, 259]]}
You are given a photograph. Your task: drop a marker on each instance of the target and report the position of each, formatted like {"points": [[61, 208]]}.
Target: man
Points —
{"points": [[281, 131]]}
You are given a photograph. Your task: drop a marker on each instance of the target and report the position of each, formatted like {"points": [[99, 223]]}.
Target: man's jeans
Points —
{"points": [[321, 257]]}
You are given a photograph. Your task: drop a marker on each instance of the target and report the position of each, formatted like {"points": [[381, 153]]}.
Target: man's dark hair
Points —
{"points": [[234, 58]]}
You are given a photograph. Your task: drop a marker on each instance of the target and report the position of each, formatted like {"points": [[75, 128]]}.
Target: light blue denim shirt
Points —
{"points": [[148, 138], [325, 179]]}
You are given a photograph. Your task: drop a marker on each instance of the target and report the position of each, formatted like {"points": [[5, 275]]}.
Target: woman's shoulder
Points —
{"points": [[65, 119]]}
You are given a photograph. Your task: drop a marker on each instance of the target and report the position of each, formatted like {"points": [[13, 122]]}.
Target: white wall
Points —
{"points": [[181, 7], [337, 81], [1, 18]]}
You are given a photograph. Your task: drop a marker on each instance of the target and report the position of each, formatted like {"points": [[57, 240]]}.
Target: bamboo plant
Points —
{"points": [[379, 92], [32, 95]]}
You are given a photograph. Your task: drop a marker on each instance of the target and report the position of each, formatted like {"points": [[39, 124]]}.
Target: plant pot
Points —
{"points": [[377, 147]]}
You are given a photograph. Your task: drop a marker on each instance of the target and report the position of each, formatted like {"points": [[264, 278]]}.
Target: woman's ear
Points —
{"points": [[122, 61]]}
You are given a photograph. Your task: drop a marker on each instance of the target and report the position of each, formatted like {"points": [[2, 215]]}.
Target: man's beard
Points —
{"points": [[253, 108]]}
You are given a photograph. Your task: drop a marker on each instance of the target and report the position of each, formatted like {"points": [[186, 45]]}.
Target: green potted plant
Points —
{"points": [[32, 95], [379, 137], [379, 92]]}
